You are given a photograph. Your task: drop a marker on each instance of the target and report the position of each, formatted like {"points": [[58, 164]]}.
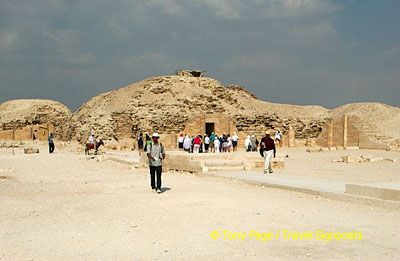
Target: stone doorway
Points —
{"points": [[210, 128]]}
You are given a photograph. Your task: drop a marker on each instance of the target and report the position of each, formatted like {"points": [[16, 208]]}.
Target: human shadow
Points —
{"points": [[165, 190]]}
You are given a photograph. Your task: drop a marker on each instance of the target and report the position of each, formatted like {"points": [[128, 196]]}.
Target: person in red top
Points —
{"points": [[269, 151], [197, 144]]}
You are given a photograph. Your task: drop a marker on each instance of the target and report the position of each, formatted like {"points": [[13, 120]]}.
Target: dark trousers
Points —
{"points": [[153, 171], [51, 147]]}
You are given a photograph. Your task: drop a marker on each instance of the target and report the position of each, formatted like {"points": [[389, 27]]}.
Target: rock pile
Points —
{"points": [[362, 159], [167, 103], [17, 114]]}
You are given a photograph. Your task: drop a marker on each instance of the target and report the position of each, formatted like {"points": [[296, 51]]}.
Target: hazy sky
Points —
{"points": [[291, 51]]}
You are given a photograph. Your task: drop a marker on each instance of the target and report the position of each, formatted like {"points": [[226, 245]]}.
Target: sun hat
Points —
{"points": [[155, 135]]}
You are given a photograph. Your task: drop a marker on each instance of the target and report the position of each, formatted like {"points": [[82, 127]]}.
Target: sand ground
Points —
{"points": [[65, 206]]}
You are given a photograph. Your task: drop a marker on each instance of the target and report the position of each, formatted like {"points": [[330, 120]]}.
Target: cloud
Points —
{"points": [[267, 61], [248, 9], [8, 39], [225, 9], [73, 50], [391, 55], [169, 7]]}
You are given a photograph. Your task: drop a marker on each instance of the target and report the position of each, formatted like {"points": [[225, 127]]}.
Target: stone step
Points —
{"points": [[224, 163], [225, 168]]}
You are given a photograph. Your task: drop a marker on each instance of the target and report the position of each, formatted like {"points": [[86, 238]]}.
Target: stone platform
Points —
{"points": [[205, 162], [386, 191]]}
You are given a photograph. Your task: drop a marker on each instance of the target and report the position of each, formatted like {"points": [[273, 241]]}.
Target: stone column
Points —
{"points": [[283, 141], [291, 137], [345, 129], [330, 134]]}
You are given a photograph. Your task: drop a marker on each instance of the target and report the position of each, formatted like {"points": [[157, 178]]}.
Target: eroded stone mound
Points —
{"points": [[166, 104], [380, 122], [17, 114]]}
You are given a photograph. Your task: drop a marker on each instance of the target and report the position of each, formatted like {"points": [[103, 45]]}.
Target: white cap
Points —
{"points": [[156, 135]]}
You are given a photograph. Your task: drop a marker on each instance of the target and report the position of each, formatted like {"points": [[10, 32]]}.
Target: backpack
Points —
{"points": [[140, 141], [261, 151]]}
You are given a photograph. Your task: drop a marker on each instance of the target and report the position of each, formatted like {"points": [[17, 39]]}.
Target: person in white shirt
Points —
{"points": [[228, 143], [206, 143], [180, 141], [217, 145], [235, 139], [91, 139], [187, 143], [247, 143], [278, 137]]}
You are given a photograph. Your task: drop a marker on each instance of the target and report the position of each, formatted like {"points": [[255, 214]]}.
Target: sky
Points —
{"points": [[322, 52]]}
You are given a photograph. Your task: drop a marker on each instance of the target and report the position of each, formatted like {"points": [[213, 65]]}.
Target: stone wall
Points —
{"points": [[222, 123], [340, 132], [30, 132]]}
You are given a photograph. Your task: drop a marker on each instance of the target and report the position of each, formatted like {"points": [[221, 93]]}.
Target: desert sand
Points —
{"points": [[68, 206]]}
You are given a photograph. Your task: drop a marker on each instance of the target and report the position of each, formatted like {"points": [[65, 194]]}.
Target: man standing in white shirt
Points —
{"points": [[155, 154], [206, 143], [235, 139], [278, 137]]}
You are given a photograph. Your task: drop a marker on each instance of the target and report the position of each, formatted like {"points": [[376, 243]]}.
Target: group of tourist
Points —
{"points": [[197, 144], [217, 144], [208, 143]]}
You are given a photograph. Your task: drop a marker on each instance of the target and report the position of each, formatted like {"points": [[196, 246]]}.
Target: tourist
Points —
{"points": [[235, 139], [247, 143], [206, 143], [221, 143], [228, 143], [196, 144], [155, 153], [180, 142], [51, 143], [217, 145], [140, 143], [268, 150], [187, 143], [224, 142], [278, 137], [92, 140], [254, 145], [212, 139], [147, 141], [201, 150]]}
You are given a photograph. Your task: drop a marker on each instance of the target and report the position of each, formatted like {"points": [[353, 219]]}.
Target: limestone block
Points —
{"points": [[353, 159], [373, 191], [312, 150], [352, 148], [31, 150], [375, 159]]}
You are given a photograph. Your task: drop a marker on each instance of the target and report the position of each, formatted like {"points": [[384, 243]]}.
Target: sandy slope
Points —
{"points": [[385, 118]]}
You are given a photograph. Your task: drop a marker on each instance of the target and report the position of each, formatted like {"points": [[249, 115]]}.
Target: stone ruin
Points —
{"points": [[190, 105], [187, 103], [349, 131], [190, 73], [32, 119]]}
